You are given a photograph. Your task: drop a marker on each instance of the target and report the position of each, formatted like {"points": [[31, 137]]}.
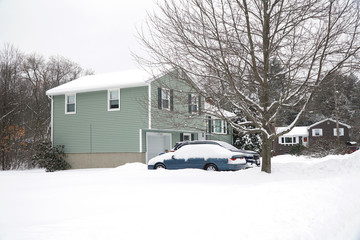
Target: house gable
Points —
{"points": [[328, 120], [173, 104], [327, 128]]}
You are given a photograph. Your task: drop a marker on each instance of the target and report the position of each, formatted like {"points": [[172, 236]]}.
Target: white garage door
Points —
{"points": [[157, 143]]}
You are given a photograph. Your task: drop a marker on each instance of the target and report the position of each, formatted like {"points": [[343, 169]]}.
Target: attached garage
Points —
{"points": [[157, 142]]}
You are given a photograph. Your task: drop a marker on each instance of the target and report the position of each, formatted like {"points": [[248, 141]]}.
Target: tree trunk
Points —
{"points": [[266, 155], [336, 112]]}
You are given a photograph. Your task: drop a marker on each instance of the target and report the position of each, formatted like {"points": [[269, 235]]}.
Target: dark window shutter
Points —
{"points": [[181, 137], [159, 98], [209, 125], [192, 137], [189, 103], [199, 107], [171, 100]]}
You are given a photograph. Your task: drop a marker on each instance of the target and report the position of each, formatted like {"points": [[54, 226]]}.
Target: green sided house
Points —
{"points": [[107, 120]]}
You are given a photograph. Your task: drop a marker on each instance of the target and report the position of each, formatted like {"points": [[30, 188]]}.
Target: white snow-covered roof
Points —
{"points": [[296, 131], [98, 82], [212, 110]]}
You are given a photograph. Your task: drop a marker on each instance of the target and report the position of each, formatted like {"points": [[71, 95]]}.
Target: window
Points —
{"points": [[70, 103], [317, 132], [187, 137], [114, 99], [341, 132], [219, 126], [288, 140], [216, 126], [194, 103], [165, 98]]}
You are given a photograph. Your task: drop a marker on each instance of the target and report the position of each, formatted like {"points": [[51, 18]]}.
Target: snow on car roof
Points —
{"points": [[98, 82], [205, 151]]}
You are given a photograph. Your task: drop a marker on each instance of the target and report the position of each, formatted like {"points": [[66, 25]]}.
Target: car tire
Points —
{"points": [[159, 166], [210, 167]]}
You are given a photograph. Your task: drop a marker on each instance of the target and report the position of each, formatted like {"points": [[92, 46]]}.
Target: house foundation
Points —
{"points": [[103, 160]]}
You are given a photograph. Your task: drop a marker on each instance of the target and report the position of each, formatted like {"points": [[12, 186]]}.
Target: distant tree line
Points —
{"points": [[24, 106]]}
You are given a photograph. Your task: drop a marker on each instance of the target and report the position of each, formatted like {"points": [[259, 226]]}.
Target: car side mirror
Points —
{"points": [[173, 157]]}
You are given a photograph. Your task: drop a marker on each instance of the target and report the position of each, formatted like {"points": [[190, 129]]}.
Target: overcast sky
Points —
{"points": [[97, 34]]}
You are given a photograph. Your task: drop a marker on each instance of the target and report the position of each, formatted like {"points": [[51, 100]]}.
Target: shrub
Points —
{"points": [[297, 149], [49, 157], [322, 146]]}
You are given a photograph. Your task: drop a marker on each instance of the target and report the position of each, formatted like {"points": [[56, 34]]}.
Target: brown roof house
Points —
{"points": [[304, 135]]}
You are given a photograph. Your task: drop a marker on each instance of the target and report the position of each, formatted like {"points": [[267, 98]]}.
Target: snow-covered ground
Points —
{"points": [[303, 199]]}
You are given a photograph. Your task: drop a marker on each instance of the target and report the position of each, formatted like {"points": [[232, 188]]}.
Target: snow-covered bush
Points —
{"points": [[49, 157], [248, 142]]}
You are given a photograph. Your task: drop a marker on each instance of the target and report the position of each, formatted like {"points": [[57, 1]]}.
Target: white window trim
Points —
{"points": [[341, 132], [168, 98], [108, 99], [320, 132], [66, 103], [289, 143]]}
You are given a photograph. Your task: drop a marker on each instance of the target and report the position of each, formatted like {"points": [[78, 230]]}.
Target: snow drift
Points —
{"points": [[304, 198]]}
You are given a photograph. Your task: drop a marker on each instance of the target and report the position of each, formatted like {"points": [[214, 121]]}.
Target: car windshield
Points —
{"points": [[227, 146]]}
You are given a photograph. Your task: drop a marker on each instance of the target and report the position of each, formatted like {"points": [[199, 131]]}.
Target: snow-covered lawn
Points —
{"points": [[302, 199]]}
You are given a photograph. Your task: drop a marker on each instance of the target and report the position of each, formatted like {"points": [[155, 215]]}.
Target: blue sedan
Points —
{"points": [[202, 156]]}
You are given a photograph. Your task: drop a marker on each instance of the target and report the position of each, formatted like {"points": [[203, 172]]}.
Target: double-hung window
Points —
{"points": [[165, 98], [114, 99], [216, 126], [220, 126], [341, 132], [70, 103], [317, 132], [193, 103]]}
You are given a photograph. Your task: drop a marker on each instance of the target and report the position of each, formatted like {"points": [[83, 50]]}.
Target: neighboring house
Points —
{"points": [[305, 134], [111, 119]]}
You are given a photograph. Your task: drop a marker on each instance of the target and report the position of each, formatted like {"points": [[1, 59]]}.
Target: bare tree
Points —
{"points": [[10, 105], [227, 46], [24, 106]]}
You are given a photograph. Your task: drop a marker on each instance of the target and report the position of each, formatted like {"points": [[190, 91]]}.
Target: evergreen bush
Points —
{"points": [[297, 149], [49, 157]]}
